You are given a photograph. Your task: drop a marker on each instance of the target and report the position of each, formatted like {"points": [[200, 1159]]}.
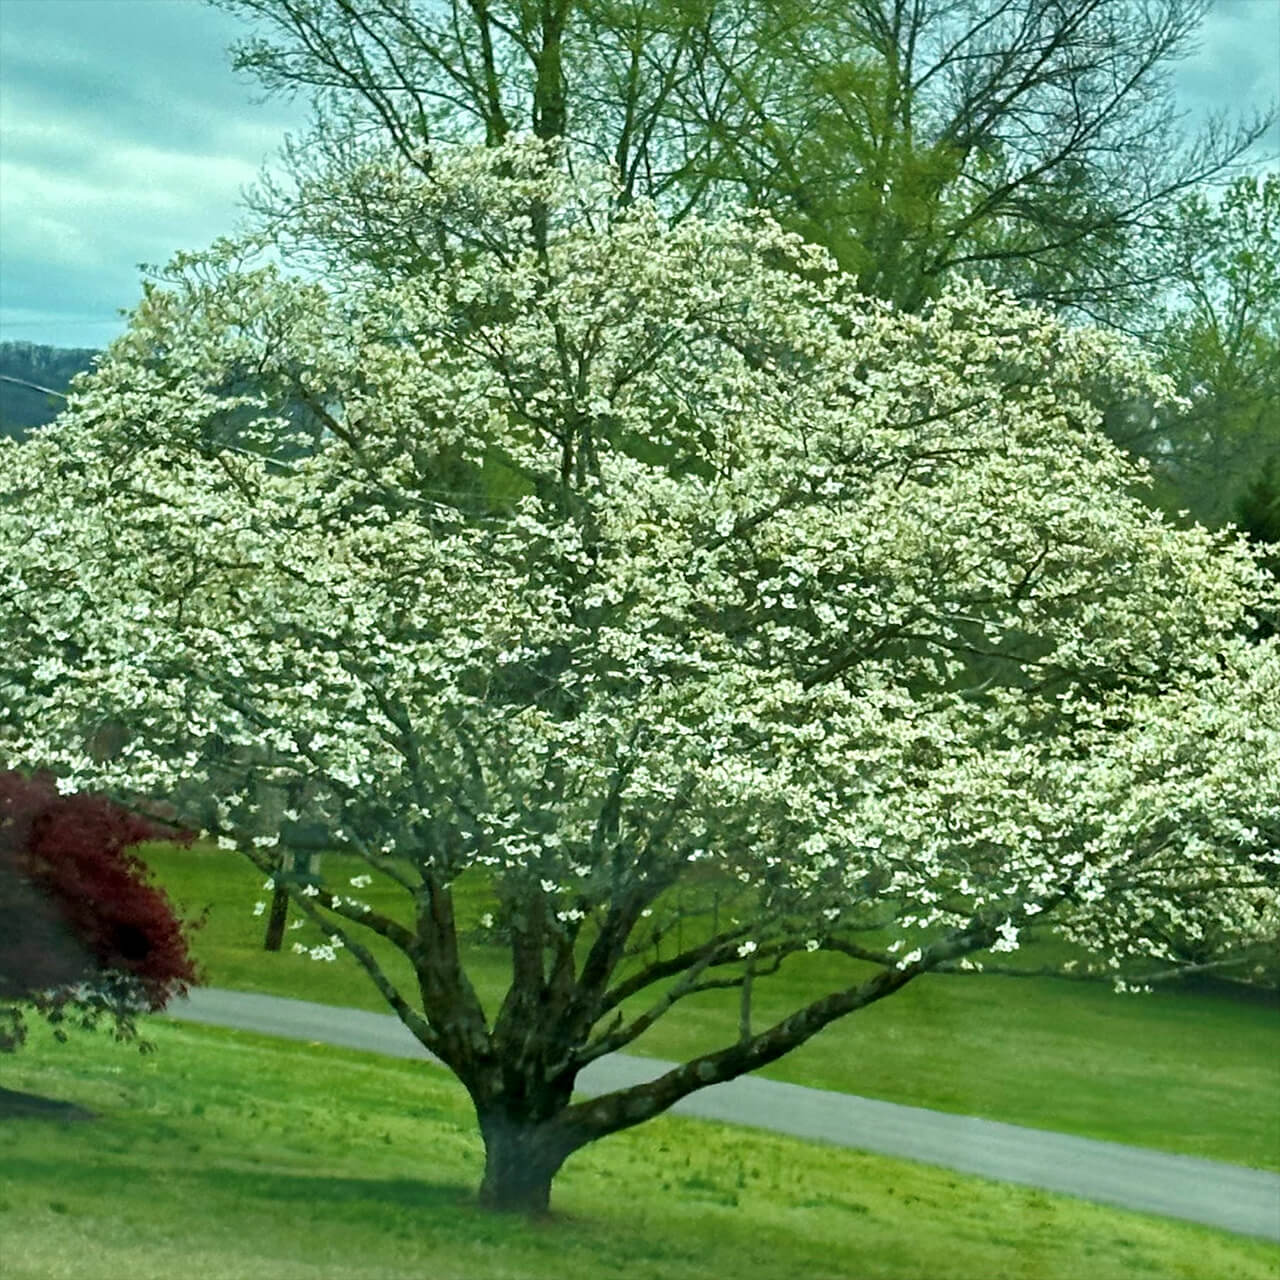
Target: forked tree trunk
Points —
{"points": [[520, 1160]]}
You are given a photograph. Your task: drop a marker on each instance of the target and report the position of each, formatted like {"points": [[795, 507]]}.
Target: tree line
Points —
{"points": [[27, 369]]}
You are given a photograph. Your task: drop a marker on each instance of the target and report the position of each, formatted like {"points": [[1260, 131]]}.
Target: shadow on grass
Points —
{"points": [[16, 1105], [214, 1180], [393, 1193], [1231, 992]]}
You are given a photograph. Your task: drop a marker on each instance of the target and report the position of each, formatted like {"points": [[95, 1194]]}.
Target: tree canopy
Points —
{"points": [[627, 562]]}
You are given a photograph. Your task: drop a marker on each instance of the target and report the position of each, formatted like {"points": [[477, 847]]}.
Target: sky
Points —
{"points": [[125, 135]]}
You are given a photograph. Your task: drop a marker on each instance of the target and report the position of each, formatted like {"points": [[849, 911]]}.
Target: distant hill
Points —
{"points": [[24, 408], [21, 408]]}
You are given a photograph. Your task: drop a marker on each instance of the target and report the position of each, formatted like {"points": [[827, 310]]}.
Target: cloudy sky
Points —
{"points": [[124, 136]]}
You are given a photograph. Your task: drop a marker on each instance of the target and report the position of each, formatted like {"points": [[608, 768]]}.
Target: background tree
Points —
{"points": [[83, 935], [794, 625], [1217, 334], [1034, 143], [1258, 517], [1258, 510]]}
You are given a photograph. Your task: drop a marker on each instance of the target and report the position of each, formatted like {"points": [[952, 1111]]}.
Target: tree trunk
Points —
{"points": [[520, 1160], [276, 920]]}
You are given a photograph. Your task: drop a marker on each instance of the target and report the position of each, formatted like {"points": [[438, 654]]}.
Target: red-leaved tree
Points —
{"points": [[84, 935]]}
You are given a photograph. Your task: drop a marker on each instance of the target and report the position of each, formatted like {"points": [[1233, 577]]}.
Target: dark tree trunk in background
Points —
{"points": [[276, 920]]}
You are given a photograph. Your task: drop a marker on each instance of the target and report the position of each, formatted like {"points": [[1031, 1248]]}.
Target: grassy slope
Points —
{"points": [[232, 1157], [1197, 1074]]}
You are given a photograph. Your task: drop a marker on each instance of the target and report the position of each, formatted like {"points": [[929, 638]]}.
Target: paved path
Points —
{"points": [[1206, 1191]]}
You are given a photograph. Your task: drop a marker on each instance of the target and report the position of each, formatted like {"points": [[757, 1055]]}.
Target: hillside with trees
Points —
{"points": [[23, 408]]}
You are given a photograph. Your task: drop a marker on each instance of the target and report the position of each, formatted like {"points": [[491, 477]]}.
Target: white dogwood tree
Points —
{"points": [[596, 565]]}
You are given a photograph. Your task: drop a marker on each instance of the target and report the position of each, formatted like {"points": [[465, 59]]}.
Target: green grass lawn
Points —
{"points": [[1186, 1072], [233, 1157]]}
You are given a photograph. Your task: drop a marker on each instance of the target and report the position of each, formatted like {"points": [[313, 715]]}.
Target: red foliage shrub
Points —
{"points": [[82, 931]]}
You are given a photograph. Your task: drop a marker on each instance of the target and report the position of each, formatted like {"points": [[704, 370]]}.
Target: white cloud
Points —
{"points": [[126, 137], [1235, 68]]}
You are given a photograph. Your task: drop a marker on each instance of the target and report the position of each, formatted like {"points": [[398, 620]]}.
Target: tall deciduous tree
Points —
{"points": [[774, 622], [1031, 142], [83, 934], [1216, 332]]}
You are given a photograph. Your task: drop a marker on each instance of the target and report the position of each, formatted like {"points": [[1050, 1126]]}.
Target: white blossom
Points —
{"points": [[1007, 939]]}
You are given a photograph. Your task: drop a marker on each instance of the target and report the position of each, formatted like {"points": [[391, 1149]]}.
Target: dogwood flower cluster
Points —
{"points": [[598, 556]]}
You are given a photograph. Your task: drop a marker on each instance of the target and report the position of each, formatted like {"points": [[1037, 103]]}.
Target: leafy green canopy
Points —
{"points": [[615, 556], [1035, 143], [1216, 331]]}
